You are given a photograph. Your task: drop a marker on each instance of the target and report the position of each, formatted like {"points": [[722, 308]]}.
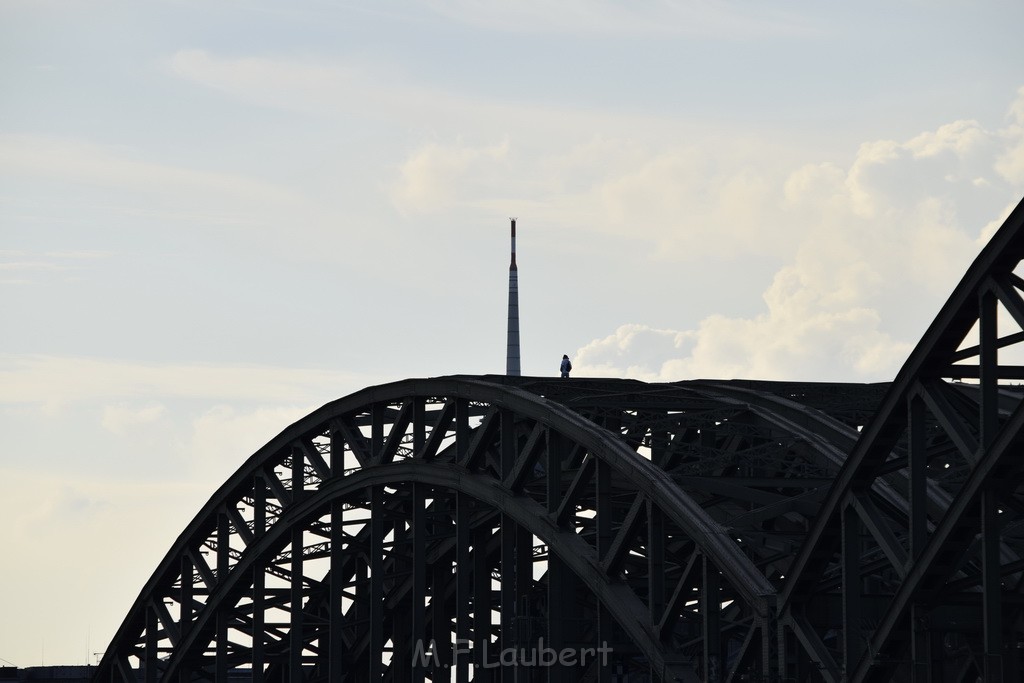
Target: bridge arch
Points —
{"points": [[548, 495], [929, 589]]}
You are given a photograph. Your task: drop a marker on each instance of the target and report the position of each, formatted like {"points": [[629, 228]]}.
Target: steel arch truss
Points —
{"points": [[443, 529], [929, 589]]}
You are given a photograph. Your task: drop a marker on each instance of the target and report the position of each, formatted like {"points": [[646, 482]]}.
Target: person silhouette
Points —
{"points": [[566, 366]]}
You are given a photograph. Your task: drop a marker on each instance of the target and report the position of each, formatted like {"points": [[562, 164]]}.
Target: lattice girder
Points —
{"points": [[914, 577], [612, 523]]}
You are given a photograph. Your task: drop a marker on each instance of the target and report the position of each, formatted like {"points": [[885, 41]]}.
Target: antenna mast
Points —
{"points": [[512, 353]]}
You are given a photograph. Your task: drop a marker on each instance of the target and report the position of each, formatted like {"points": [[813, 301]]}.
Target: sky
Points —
{"points": [[216, 217]]}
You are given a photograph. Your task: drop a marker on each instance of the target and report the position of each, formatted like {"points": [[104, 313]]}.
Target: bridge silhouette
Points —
{"points": [[532, 529]]}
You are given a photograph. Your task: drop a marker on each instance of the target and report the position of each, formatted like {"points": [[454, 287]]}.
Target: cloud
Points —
{"points": [[688, 204], [682, 193], [896, 228], [53, 381], [122, 418], [683, 190], [137, 187], [434, 176], [305, 85], [675, 202], [819, 346], [1010, 164], [714, 199], [954, 159], [634, 351]]}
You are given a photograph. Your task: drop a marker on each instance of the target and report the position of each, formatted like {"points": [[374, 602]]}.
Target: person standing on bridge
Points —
{"points": [[566, 366]]}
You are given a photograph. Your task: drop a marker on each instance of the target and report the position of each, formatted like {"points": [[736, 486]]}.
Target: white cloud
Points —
{"points": [[435, 176], [950, 160], [897, 228], [818, 346], [718, 199], [634, 351], [122, 418], [1010, 164], [678, 202]]}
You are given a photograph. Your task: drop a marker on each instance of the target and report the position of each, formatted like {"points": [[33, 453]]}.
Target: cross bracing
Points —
{"points": [[699, 530]]}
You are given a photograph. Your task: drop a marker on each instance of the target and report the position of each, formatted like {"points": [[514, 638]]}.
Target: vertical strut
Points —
{"points": [[852, 639], [335, 613], [481, 595], [918, 531], [918, 465], [335, 616], [603, 519], [295, 633], [508, 537], [223, 560], [259, 527], [185, 600], [259, 580], [151, 658], [440, 616], [990, 532], [376, 592], [711, 608], [992, 593], [419, 577], [463, 587], [561, 600], [655, 563]]}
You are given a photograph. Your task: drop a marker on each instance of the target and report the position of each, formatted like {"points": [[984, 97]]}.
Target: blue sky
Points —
{"points": [[215, 217]]}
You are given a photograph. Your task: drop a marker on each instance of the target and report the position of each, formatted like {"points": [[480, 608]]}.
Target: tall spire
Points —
{"points": [[512, 354]]}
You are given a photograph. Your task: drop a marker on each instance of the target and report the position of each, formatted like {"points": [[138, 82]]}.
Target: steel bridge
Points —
{"points": [[527, 529]]}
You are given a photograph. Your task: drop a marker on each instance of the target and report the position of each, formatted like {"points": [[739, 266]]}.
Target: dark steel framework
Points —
{"points": [[523, 529]]}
